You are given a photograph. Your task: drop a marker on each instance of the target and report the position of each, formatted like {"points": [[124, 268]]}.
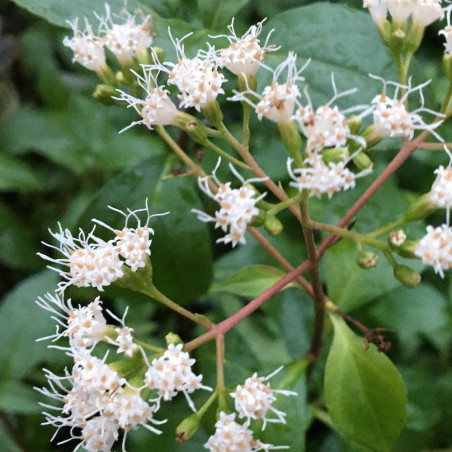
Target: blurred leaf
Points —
{"points": [[413, 315], [17, 398], [351, 49], [13, 252], [17, 175], [364, 392], [216, 15], [251, 281], [8, 444], [22, 322]]}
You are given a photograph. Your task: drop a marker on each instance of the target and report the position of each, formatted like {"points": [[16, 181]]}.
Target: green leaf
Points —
{"points": [[17, 398], [251, 281], [22, 322], [364, 392], [413, 316], [216, 15], [17, 175], [350, 49]]}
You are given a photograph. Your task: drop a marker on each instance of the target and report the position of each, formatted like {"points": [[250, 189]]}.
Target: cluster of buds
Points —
{"points": [[253, 401]]}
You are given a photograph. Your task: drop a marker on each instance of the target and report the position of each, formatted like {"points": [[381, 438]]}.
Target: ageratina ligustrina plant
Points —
{"points": [[326, 149]]}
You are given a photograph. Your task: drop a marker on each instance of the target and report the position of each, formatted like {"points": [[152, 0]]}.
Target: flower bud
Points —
{"points": [[273, 226], [396, 238], [420, 209], [367, 259], [407, 249], [354, 124], [362, 161], [173, 338], [335, 155], [192, 126], [407, 276], [187, 428], [105, 94], [212, 112], [447, 65], [291, 139], [371, 136], [414, 37]]}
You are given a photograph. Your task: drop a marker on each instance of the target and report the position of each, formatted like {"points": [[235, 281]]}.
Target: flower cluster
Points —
{"points": [[441, 192], [252, 401], [238, 205], [423, 12], [93, 262], [171, 374], [124, 40], [435, 248]]}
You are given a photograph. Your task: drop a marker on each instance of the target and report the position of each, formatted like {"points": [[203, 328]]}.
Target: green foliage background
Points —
{"points": [[61, 159]]}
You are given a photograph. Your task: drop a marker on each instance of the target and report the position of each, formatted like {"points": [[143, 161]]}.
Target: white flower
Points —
{"points": [[197, 79], [88, 49], [156, 109], [391, 118], [128, 411], [426, 12], [99, 434], [84, 326], [92, 262], [319, 178], [447, 32], [245, 54], [133, 244], [378, 10], [237, 206], [230, 436], [277, 102], [400, 9], [127, 39], [435, 248], [327, 126], [441, 192], [171, 373], [254, 399]]}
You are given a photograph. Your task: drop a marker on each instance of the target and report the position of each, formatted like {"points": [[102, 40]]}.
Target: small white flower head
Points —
{"points": [[277, 102], [237, 206], [378, 10], [197, 79], [327, 126], [230, 436], [92, 262], [133, 243], [129, 411], [320, 178], [397, 238], [85, 326], [447, 32], [156, 109], [426, 12], [99, 434], [391, 118], [441, 192], [88, 49], [255, 398], [400, 9], [171, 374], [245, 54], [125, 40], [435, 248], [124, 340]]}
